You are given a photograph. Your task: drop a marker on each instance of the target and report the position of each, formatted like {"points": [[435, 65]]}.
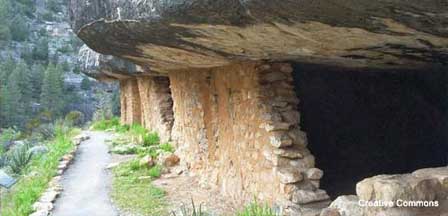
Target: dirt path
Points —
{"points": [[86, 183]]}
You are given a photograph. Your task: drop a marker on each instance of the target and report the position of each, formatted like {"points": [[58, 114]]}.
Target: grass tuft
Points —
{"points": [[134, 193], [256, 209]]}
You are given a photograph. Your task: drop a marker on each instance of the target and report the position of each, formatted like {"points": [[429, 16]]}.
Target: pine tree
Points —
{"points": [[12, 109], [23, 83], [37, 77], [52, 90]]}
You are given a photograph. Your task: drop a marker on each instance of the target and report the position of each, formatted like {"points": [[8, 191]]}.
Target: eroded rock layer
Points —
{"points": [[179, 34]]}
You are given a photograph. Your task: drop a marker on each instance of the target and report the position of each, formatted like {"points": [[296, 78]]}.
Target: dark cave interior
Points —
{"points": [[365, 122]]}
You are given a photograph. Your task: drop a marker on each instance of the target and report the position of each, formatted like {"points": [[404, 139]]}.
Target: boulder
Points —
{"points": [[168, 159], [147, 161], [348, 206], [390, 188]]}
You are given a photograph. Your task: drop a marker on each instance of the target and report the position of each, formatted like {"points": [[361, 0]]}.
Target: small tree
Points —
{"points": [[86, 84], [40, 51], [52, 90], [19, 29]]}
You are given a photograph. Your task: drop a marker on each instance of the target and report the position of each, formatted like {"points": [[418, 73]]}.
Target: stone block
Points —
{"points": [[306, 196], [314, 174], [289, 175]]}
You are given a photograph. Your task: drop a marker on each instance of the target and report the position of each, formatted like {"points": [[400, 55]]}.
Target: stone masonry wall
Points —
{"points": [[130, 102], [156, 105], [238, 127]]}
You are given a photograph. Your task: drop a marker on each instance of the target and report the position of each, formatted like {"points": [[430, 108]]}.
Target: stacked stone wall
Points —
{"points": [[238, 127], [156, 105]]}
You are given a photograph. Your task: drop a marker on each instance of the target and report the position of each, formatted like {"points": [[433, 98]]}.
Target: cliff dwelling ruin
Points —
{"points": [[292, 102]]}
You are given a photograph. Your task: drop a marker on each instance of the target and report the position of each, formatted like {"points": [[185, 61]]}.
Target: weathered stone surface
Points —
{"points": [[146, 161], [348, 206], [178, 34], [168, 160], [307, 196], [390, 188], [106, 67], [330, 212], [314, 174], [291, 153], [289, 175]]}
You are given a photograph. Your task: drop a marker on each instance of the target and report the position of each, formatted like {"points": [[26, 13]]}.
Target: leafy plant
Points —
{"points": [[75, 118], [167, 147], [19, 157], [3, 161], [47, 131], [7, 137], [155, 171], [106, 124], [150, 139]]}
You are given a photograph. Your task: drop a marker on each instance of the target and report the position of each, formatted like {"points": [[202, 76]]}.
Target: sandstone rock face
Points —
{"points": [[179, 34]]}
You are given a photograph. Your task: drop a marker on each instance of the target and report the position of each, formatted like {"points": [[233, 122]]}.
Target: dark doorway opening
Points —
{"points": [[363, 122]]}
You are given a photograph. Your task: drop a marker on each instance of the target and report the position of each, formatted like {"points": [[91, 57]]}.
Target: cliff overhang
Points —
{"points": [[170, 35]]}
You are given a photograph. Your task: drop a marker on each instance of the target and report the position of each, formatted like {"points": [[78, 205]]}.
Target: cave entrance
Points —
{"points": [[362, 123]]}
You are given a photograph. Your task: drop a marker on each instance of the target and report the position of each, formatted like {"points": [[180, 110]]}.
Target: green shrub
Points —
{"points": [[106, 124], [255, 209], [5, 33], [48, 16], [150, 139], [155, 171], [167, 147], [19, 157], [19, 29], [46, 131], [7, 136], [86, 84], [75, 118]]}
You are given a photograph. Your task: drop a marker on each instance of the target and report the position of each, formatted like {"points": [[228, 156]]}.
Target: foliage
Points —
{"points": [[52, 90], [256, 209], [53, 5], [134, 193], [47, 131], [167, 147], [75, 118], [40, 51], [19, 157], [19, 29], [106, 124], [7, 136], [86, 84], [185, 211], [39, 172], [155, 171], [5, 33]]}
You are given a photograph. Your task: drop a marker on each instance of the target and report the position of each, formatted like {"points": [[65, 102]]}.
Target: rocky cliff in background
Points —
{"points": [[48, 37], [179, 34]]}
